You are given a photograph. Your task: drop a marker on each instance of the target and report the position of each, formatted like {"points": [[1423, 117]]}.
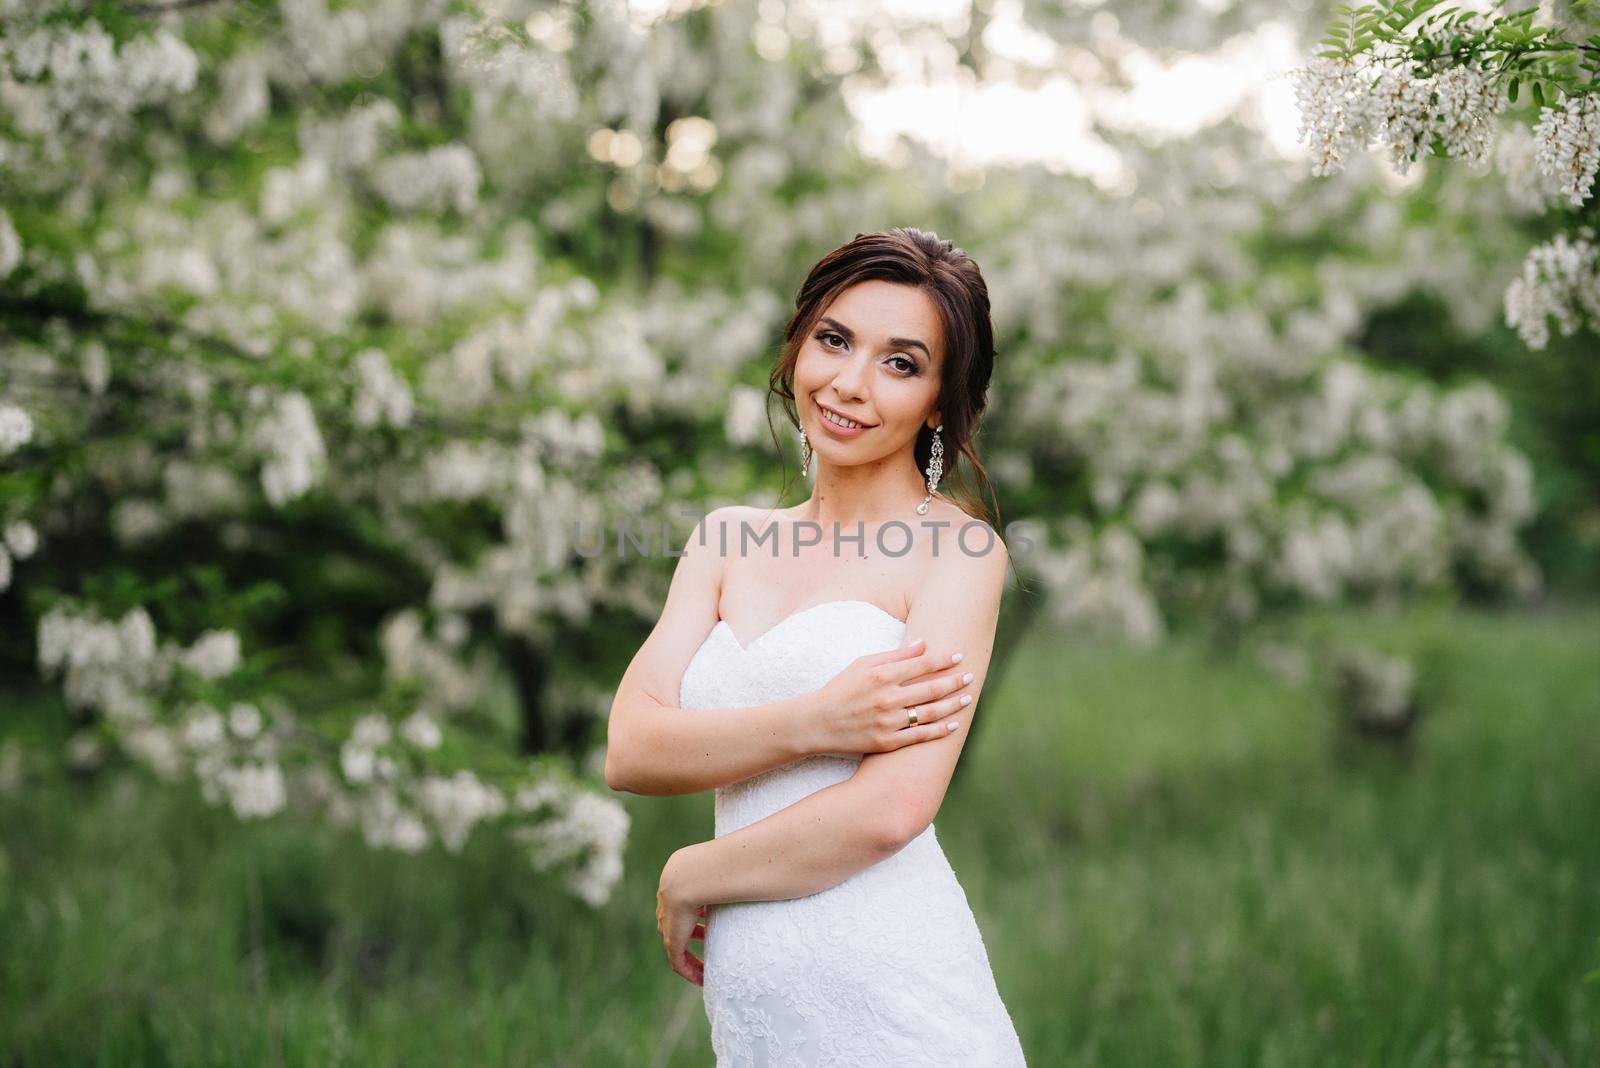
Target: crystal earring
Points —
{"points": [[805, 452], [935, 468]]}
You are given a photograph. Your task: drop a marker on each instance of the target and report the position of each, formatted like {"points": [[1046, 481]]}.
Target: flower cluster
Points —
{"points": [[439, 179], [10, 245], [1560, 280], [293, 456], [1374, 692], [382, 397], [582, 827], [16, 428], [78, 81], [1568, 139], [1530, 188], [1344, 107]]}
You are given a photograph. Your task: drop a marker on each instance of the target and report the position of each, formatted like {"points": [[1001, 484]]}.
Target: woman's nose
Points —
{"points": [[851, 379]]}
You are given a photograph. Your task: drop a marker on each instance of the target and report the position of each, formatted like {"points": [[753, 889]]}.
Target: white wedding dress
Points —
{"points": [[885, 968]]}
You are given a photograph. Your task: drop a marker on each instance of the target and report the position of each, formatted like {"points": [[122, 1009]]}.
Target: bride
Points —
{"points": [[835, 932]]}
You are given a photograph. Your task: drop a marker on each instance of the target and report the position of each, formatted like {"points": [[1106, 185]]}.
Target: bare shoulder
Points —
{"points": [[718, 524], [965, 538], [727, 522]]}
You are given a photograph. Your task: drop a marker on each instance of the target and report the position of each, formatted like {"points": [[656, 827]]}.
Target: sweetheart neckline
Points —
{"points": [[758, 639]]}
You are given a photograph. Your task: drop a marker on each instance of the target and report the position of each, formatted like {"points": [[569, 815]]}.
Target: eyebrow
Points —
{"points": [[899, 342]]}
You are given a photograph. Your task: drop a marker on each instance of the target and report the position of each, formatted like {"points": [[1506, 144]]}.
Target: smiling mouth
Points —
{"points": [[842, 421]]}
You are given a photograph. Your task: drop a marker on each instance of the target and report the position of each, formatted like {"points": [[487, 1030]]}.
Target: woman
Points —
{"points": [[835, 931]]}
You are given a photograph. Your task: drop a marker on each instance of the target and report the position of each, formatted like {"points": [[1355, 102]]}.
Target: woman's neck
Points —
{"points": [[868, 500]]}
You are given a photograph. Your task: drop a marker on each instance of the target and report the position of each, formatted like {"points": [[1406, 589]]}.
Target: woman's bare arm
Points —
{"points": [[827, 836], [656, 748]]}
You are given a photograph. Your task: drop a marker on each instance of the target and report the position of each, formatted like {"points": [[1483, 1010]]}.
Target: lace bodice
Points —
{"points": [[886, 968]]}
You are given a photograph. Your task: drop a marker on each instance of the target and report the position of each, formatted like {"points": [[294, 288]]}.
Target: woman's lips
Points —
{"points": [[836, 430]]}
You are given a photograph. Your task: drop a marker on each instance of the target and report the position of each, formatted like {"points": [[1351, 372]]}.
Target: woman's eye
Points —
{"points": [[828, 337]]}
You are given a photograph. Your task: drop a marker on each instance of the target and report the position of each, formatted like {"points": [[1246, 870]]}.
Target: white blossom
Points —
{"points": [[1568, 145], [381, 396], [288, 190], [255, 790], [1560, 280], [1405, 111], [589, 829], [295, 457], [357, 762], [156, 747], [90, 87], [1531, 190], [108, 665], [1469, 104], [214, 654], [747, 406], [421, 730], [16, 428], [244, 720], [371, 730], [437, 179], [204, 729], [242, 97], [456, 803], [10, 245], [1334, 106], [387, 823]]}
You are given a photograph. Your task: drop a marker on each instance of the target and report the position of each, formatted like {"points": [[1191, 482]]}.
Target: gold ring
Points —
{"points": [[911, 717]]}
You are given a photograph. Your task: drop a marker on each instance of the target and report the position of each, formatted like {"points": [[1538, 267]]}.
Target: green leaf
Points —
{"points": [[1538, 93], [1511, 93]]}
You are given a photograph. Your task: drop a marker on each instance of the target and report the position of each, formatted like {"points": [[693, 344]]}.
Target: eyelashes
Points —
{"points": [[912, 369]]}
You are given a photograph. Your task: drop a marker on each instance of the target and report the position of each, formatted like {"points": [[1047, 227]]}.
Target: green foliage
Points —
{"points": [[1430, 37]]}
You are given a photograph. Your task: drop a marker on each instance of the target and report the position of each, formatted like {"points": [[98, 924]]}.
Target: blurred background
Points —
{"points": [[332, 332]]}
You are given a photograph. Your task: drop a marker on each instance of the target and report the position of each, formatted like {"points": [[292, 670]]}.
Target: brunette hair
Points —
{"points": [[953, 282]]}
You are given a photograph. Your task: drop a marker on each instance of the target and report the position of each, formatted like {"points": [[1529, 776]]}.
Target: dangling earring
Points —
{"points": [[805, 452], [935, 468]]}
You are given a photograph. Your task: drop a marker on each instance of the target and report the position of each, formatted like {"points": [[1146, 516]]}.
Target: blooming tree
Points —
{"points": [[1420, 79], [327, 331]]}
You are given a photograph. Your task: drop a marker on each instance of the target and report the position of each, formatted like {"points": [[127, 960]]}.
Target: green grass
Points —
{"points": [[1172, 862]]}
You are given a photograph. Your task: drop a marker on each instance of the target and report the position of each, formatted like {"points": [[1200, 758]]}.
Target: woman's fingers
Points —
{"points": [[670, 921], [923, 732], [937, 710], [926, 664], [686, 963], [904, 652], [927, 693]]}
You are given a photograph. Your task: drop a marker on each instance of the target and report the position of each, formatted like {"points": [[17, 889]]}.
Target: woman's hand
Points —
{"points": [[678, 920], [864, 708]]}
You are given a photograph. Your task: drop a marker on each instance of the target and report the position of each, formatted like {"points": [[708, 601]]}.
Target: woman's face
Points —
{"points": [[874, 356]]}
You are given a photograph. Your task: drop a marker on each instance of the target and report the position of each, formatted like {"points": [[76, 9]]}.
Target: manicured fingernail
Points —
{"points": [[952, 725], [967, 677], [955, 658], [966, 698]]}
